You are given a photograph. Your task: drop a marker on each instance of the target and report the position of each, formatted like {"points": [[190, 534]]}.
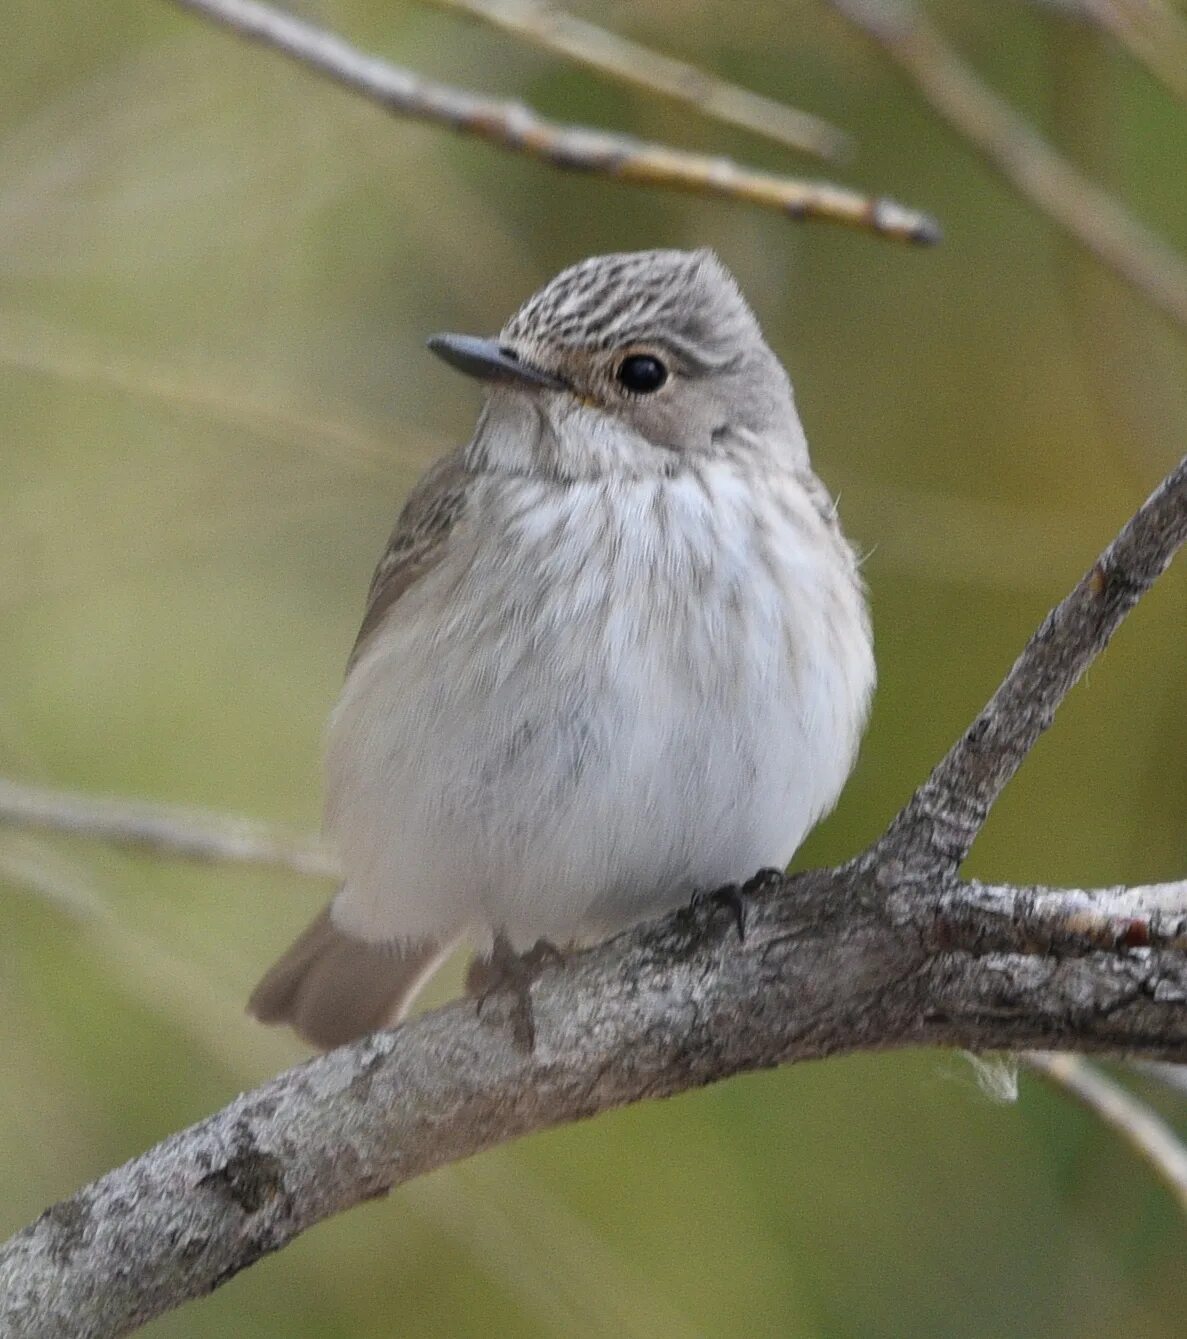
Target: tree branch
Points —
{"points": [[630, 63], [1169, 1076], [517, 128], [1150, 1137], [891, 950], [1151, 31], [825, 968], [1096, 219]]}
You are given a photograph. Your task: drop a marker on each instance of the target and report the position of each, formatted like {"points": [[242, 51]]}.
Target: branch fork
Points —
{"points": [[890, 950]]}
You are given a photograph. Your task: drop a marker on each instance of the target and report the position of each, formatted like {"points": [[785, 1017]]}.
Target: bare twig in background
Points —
{"points": [[1150, 1137], [1151, 31], [1091, 215], [632, 63], [1132, 369], [188, 834], [889, 950], [516, 127], [161, 980], [54, 354]]}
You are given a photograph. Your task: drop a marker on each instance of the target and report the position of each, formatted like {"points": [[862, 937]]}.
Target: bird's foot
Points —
{"points": [[764, 879], [506, 977], [735, 898], [730, 898]]}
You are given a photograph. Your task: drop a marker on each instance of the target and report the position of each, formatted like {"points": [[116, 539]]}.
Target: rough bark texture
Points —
{"points": [[890, 950], [828, 964]]}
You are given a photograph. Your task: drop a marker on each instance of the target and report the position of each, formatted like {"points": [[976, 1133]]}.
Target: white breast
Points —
{"points": [[609, 694]]}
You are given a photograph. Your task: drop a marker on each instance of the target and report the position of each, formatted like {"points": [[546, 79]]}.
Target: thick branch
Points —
{"points": [[516, 127], [891, 950], [828, 965]]}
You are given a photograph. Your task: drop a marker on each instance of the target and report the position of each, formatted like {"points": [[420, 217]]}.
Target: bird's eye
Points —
{"points": [[641, 373]]}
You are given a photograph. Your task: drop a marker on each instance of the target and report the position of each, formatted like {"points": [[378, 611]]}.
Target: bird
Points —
{"points": [[617, 654]]}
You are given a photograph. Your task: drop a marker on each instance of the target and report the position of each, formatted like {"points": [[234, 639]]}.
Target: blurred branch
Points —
{"points": [[517, 128], [1150, 30], [162, 981], [189, 834], [890, 950], [1096, 219], [631, 63], [52, 353], [1150, 1137], [1132, 368]]}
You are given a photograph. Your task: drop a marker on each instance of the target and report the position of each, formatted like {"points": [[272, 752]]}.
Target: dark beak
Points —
{"points": [[490, 361]]}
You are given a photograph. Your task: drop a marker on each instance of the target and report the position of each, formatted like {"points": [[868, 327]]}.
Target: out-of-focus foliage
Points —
{"points": [[216, 276]]}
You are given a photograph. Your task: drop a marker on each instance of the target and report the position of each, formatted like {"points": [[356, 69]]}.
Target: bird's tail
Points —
{"points": [[331, 987]]}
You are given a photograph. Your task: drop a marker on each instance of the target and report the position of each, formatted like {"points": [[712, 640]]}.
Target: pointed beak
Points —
{"points": [[490, 361]]}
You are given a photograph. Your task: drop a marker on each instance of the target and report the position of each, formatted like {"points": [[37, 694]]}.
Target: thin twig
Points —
{"points": [[1128, 369], [832, 961], [632, 63], [1096, 219], [1150, 1137], [188, 834], [216, 397], [1150, 30], [162, 980], [517, 128], [946, 813]]}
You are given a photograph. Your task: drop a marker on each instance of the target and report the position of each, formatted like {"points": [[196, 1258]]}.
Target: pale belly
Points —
{"points": [[561, 745]]}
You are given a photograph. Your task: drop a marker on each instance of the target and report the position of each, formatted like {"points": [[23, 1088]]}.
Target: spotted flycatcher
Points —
{"points": [[617, 652]]}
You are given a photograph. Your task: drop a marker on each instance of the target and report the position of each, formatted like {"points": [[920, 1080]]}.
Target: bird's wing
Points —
{"points": [[417, 542]]}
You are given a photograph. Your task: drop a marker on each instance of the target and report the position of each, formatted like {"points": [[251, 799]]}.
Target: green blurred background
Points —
{"points": [[216, 277]]}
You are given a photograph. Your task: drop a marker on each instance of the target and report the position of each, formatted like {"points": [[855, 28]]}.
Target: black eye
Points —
{"points": [[641, 373]]}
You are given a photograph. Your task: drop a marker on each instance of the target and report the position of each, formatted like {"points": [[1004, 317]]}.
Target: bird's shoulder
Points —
{"points": [[418, 540]]}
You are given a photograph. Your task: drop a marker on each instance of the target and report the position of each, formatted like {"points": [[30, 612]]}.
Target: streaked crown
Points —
{"points": [[686, 300]]}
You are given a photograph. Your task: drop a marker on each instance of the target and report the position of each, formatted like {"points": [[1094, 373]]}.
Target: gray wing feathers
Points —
{"points": [[330, 987], [415, 544]]}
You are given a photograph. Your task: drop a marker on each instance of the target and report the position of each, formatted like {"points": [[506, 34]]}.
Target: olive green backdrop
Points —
{"points": [[216, 277]]}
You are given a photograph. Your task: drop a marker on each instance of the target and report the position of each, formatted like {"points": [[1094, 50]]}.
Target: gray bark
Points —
{"points": [[891, 950], [829, 964]]}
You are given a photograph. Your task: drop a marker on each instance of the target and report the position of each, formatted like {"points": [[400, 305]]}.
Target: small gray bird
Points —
{"points": [[617, 652]]}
